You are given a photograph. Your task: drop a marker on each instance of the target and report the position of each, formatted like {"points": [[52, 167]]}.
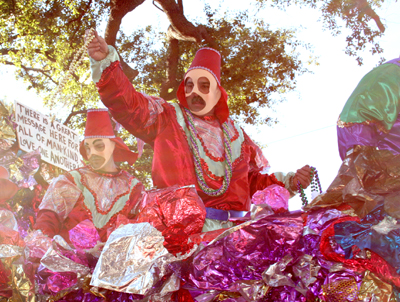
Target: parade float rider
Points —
{"points": [[97, 192], [195, 141]]}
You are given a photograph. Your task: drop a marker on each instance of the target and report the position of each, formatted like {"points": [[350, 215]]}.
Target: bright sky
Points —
{"points": [[306, 133]]}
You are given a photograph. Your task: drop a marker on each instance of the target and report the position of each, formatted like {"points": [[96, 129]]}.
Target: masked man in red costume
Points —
{"points": [[98, 192], [195, 141]]}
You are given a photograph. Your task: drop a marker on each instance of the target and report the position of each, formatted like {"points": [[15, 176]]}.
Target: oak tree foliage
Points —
{"points": [[260, 64]]}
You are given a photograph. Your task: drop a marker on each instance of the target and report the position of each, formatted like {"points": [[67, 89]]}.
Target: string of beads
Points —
{"points": [[77, 60], [315, 186], [197, 158]]}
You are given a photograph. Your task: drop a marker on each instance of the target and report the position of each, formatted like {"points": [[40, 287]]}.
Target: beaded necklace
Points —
{"points": [[197, 158], [315, 186], [77, 60]]}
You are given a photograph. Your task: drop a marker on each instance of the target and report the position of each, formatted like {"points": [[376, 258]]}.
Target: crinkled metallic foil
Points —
{"points": [[10, 251], [208, 296], [31, 163], [316, 220], [252, 290], [171, 206], [276, 276], [8, 220], [366, 176], [23, 288], [275, 196], [37, 244], [6, 131], [6, 157], [84, 235], [49, 172], [386, 225], [374, 290], [133, 260], [255, 250], [306, 268], [15, 173], [12, 260], [56, 261]]}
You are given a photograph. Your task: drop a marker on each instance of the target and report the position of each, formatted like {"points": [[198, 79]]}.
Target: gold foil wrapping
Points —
{"points": [[366, 177], [373, 289]]}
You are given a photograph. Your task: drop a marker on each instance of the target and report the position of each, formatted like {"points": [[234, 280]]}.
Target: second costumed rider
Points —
{"points": [[97, 192]]}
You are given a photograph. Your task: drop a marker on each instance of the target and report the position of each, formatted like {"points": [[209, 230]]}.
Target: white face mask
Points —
{"points": [[99, 151], [211, 97]]}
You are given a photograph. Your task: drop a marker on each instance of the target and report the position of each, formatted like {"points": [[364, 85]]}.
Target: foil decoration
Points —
{"points": [[275, 196], [366, 176], [341, 290], [23, 286], [49, 172], [15, 174], [62, 270], [61, 258], [276, 276], [387, 225], [317, 219], [8, 220], [37, 244], [10, 251], [84, 235], [134, 260], [174, 205], [374, 290], [31, 163], [306, 268], [7, 132], [7, 157], [252, 251], [252, 290]]}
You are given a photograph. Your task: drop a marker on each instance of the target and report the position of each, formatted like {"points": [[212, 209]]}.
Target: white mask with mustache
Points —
{"points": [[212, 97], [106, 153]]}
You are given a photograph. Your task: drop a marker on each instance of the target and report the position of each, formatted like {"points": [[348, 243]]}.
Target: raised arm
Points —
{"points": [[140, 114]]}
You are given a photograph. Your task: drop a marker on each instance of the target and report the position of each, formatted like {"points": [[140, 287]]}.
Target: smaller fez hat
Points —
{"points": [[98, 125], [208, 59]]}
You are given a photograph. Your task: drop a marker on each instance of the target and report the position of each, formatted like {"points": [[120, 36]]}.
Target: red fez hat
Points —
{"points": [[98, 125], [208, 59]]}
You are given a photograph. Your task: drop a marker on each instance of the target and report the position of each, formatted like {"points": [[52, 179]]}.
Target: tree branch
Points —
{"points": [[119, 8], [27, 69], [172, 68], [72, 114]]}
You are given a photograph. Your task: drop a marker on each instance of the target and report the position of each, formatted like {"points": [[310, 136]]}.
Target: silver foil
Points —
{"points": [[8, 220], [134, 259], [56, 262], [8, 251]]}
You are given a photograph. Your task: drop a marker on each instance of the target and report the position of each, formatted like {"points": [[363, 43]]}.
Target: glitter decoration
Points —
{"points": [[341, 291]]}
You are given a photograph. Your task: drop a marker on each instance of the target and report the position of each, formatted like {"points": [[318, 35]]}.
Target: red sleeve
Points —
{"points": [[260, 181], [129, 107], [48, 222]]}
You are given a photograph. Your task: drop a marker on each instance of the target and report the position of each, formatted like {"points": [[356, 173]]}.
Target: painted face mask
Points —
{"points": [[210, 96], [99, 151]]}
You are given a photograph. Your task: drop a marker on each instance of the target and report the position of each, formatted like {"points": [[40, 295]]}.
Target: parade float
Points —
{"points": [[342, 246]]}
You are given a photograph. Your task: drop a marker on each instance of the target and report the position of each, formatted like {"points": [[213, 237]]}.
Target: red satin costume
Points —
{"points": [[86, 194], [159, 124]]}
